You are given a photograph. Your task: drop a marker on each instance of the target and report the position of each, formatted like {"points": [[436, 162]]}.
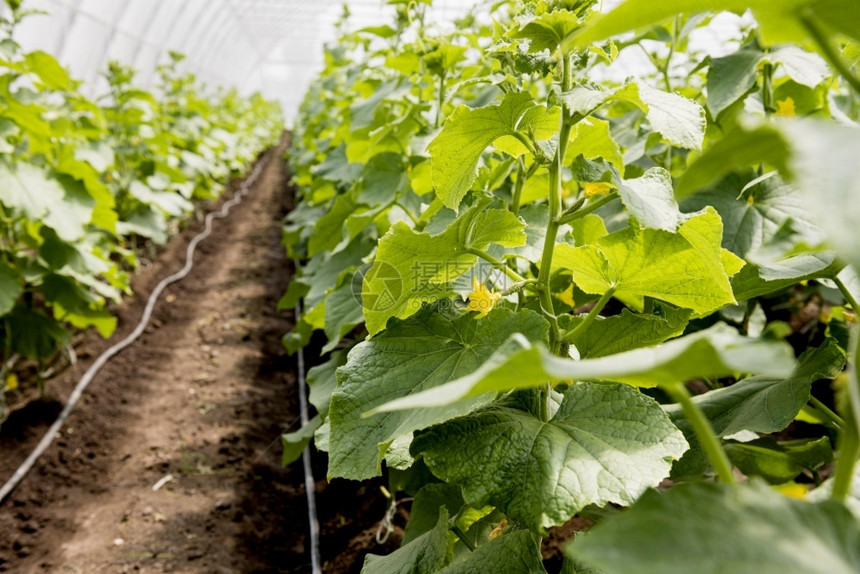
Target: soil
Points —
{"points": [[196, 408]]}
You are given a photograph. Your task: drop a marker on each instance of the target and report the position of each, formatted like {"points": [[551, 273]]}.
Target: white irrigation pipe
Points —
{"points": [[52, 433], [310, 483]]}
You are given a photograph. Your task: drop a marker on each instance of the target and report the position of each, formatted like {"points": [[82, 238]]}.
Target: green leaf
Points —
{"points": [[52, 74], [687, 268], [70, 216], [514, 553], [753, 218], [29, 190], [740, 148], [11, 288], [425, 508], [763, 403], [455, 152], [715, 352], [548, 31], [619, 333], [343, 312], [760, 531], [801, 66], [424, 555], [329, 229], [778, 21], [592, 139], [731, 77], [607, 443], [294, 443], [679, 120], [34, 334], [411, 268], [757, 280], [779, 462], [823, 160], [384, 176], [651, 201], [434, 346], [322, 381]]}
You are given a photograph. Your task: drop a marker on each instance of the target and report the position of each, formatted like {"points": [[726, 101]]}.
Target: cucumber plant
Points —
{"points": [[85, 185], [546, 296]]}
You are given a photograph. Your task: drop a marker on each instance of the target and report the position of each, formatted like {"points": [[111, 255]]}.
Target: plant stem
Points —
{"points": [[827, 49], [518, 185], [462, 536], [853, 381], [441, 100], [592, 315], [827, 412], [849, 451], [590, 208], [497, 264], [702, 427], [767, 89]]}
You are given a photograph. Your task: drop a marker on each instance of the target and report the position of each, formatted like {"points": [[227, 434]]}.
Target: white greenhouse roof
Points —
{"points": [[271, 46]]}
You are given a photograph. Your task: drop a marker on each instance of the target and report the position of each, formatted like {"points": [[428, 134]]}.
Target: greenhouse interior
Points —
{"points": [[430, 286]]}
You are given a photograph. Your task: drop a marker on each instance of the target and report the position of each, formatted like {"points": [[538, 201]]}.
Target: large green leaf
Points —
{"points": [[606, 443], [425, 508], [434, 346], [514, 553], [753, 218], [424, 555], [411, 267], [49, 71], [715, 352], [29, 190], [455, 152], [779, 21], [687, 268], [342, 313], [760, 531]]}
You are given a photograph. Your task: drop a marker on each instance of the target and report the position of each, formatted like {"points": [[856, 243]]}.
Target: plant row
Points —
{"points": [[87, 186], [545, 296]]}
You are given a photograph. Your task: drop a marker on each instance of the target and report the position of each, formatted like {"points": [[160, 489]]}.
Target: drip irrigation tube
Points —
{"points": [[102, 360], [310, 483]]}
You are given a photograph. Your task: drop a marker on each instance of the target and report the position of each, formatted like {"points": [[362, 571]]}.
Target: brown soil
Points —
{"points": [[201, 398]]}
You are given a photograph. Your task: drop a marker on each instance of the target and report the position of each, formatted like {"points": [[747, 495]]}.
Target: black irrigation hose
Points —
{"points": [[102, 360]]}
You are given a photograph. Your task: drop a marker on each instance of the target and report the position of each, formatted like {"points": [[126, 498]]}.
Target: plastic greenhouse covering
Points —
{"points": [[270, 46]]}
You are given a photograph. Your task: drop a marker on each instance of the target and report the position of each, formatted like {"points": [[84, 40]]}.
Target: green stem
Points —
{"points": [[462, 536], [518, 186], [543, 403], [849, 451], [702, 427], [767, 89], [592, 315], [828, 50], [827, 412], [441, 100], [497, 264], [853, 382], [590, 208]]}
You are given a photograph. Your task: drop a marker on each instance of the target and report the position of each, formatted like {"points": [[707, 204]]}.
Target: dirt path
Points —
{"points": [[198, 402], [196, 406]]}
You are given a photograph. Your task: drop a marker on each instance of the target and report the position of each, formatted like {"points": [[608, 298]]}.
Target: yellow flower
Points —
{"points": [[596, 188], [792, 490], [482, 299], [497, 531], [566, 296], [11, 382], [785, 108]]}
